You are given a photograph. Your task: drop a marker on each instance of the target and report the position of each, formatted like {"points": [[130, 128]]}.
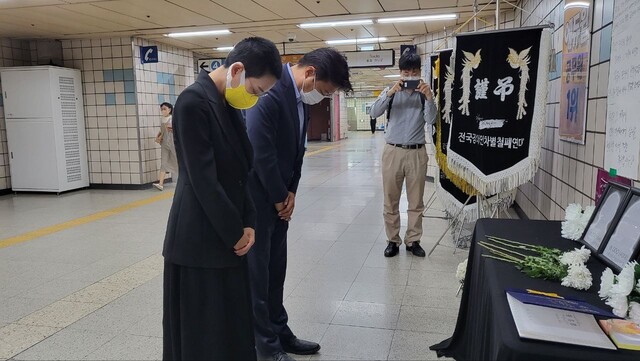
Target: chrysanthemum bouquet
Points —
{"points": [[576, 220], [545, 263], [622, 292]]}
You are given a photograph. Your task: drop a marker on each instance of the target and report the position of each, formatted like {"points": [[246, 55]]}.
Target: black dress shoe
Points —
{"points": [[391, 250], [416, 249], [300, 347], [282, 356]]}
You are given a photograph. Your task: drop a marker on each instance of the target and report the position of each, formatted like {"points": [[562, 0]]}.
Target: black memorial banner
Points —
{"points": [[499, 111], [444, 82]]}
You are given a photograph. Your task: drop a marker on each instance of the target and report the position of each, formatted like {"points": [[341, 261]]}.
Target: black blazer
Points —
{"points": [[212, 204], [274, 130]]}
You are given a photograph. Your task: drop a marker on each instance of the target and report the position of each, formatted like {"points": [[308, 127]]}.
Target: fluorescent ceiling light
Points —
{"points": [[418, 18], [355, 41], [199, 33], [392, 76], [225, 48], [577, 4], [331, 24]]}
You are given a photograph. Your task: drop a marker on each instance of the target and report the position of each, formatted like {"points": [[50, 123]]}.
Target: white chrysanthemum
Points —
{"points": [[572, 229], [461, 271], [634, 312], [606, 282], [586, 215], [626, 280], [638, 286], [578, 277], [619, 304], [573, 212], [577, 256]]}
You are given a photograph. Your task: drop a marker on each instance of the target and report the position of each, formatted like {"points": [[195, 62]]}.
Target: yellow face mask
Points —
{"points": [[239, 97]]}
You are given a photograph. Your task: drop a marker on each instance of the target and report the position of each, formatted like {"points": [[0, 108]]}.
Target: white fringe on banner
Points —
{"points": [[525, 170], [495, 204]]}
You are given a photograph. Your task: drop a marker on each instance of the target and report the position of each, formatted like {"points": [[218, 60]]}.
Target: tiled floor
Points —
{"points": [[94, 291]]}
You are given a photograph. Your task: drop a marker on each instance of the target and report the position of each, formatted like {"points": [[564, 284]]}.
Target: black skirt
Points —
{"points": [[207, 314]]}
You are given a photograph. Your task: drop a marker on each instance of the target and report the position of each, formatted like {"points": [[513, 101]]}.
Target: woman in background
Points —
{"points": [[169, 161]]}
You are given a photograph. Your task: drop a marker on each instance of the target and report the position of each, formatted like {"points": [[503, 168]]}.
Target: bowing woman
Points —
{"points": [[207, 311]]}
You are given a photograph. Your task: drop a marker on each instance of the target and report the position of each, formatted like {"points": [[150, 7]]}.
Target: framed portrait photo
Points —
{"points": [[623, 244], [603, 216]]}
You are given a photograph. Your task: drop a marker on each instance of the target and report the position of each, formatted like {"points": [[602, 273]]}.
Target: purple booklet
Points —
{"points": [[552, 300]]}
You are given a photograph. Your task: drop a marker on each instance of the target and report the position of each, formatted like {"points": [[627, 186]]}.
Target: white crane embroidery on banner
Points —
{"points": [[448, 88], [521, 61], [470, 62]]}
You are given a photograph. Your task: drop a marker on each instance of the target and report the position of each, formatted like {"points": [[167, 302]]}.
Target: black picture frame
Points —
{"points": [[595, 234], [623, 241]]}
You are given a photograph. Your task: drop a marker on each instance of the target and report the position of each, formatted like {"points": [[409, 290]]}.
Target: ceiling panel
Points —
{"points": [[326, 34], [396, 5], [108, 15], [158, 11], [435, 4], [8, 4], [361, 6], [248, 9], [355, 32], [286, 9], [379, 30], [211, 10], [436, 26], [411, 28], [324, 7], [43, 19]]}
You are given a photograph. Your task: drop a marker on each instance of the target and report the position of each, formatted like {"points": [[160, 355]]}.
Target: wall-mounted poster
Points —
{"points": [[575, 69]]}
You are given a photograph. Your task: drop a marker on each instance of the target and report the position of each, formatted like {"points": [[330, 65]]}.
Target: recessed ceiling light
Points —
{"points": [[418, 18], [199, 33], [356, 41], [331, 24], [225, 48]]}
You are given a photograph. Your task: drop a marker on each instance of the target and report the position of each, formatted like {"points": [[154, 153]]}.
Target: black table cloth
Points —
{"points": [[485, 329]]}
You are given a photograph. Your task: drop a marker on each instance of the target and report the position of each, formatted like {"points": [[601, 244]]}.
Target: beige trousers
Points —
{"points": [[399, 165]]}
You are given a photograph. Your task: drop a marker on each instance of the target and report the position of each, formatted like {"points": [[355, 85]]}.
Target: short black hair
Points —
{"points": [[259, 57], [410, 61], [330, 66], [168, 105]]}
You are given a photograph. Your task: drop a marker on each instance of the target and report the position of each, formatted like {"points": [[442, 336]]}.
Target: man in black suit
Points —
{"points": [[207, 306], [277, 128]]}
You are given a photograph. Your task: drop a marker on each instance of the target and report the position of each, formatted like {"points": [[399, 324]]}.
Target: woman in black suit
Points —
{"points": [[207, 307]]}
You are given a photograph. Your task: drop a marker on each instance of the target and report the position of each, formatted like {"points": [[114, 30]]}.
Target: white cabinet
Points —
{"points": [[45, 128]]}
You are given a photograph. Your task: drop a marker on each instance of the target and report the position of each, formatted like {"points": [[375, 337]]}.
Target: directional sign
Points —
{"points": [[210, 64], [370, 59]]}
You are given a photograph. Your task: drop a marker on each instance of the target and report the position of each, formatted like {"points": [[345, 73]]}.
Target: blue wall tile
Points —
{"points": [[110, 98], [607, 12], [118, 75], [128, 74], [605, 43], [160, 99], [130, 98], [129, 87], [172, 79], [108, 75]]}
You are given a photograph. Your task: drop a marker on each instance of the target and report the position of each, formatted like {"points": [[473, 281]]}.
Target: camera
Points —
{"points": [[291, 37], [410, 84]]}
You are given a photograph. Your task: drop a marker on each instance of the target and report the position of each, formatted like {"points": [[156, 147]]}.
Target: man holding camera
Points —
{"points": [[409, 105]]}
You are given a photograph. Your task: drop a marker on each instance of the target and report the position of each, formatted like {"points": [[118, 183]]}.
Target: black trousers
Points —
{"points": [[207, 314], [267, 272], [373, 126]]}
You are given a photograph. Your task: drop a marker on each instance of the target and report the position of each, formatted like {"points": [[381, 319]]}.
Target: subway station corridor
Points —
{"points": [[81, 273]]}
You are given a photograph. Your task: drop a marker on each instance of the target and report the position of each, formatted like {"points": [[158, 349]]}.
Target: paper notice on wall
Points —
{"points": [[622, 147]]}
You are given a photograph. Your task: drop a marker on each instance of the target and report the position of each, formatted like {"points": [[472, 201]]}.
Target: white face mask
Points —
{"points": [[312, 97]]}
